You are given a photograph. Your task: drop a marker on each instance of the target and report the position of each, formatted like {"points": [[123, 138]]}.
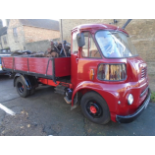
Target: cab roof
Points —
{"points": [[95, 27]]}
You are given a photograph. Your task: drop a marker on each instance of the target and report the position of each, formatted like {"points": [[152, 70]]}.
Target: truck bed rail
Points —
{"points": [[50, 68]]}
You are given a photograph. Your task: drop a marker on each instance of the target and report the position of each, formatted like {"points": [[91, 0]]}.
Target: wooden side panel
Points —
{"points": [[42, 66], [50, 68], [62, 66], [21, 64], [38, 65], [7, 62]]}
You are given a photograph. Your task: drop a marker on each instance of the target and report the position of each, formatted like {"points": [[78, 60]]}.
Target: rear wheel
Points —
{"points": [[95, 108], [21, 87]]}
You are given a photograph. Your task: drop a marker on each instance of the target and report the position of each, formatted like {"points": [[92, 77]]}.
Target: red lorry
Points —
{"points": [[104, 74]]}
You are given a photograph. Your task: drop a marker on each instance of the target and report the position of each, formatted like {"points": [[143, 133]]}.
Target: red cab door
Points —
{"points": [[89, 58]]}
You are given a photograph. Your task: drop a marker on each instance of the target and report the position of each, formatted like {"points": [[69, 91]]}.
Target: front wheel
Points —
{"points": [[21, 88], [95, 108]]}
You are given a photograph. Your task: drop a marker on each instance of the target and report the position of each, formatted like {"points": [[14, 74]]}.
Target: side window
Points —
{"points": [[75, 45], [90, 50], [15, 34], [86, 46]]}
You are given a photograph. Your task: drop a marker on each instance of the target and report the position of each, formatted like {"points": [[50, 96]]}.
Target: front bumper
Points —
{"points": [[130, 118]]}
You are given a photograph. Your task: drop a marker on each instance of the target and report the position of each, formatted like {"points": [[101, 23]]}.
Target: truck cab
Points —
{"points": [[104, 62]]}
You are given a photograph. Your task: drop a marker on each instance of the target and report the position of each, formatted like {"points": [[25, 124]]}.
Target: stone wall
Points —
{"points": [[69, 24], [27, 34], [141, 31], [38, 46], [33, 34], [19, 44], [1, 24]]}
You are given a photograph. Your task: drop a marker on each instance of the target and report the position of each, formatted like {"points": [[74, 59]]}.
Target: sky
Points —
{"points": [[4, 22]]}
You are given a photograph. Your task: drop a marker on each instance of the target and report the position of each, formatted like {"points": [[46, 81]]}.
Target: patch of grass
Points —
{"points": [[153, 96]]}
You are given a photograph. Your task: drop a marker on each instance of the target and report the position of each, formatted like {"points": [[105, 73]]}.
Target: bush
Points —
{"points": [[152, 96]]}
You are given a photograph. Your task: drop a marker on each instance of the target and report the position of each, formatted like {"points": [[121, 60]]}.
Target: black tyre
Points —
{"points": [[21, 87], [32, 91], [33, 83], [95, 108]]}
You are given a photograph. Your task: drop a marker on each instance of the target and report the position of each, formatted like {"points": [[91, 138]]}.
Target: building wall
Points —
{"points": [[39, 46], [0, 44], [69, 24], [33, 34], [7, 22], [1, 24], [19, 45], [5, 46], [27, 34], [141, 31]]}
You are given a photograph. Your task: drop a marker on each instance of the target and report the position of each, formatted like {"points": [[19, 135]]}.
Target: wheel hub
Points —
{"points": [[20, 87], [93, 109]]}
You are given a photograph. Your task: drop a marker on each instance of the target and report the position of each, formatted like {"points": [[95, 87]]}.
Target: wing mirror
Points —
{"points": [[80, 39]]}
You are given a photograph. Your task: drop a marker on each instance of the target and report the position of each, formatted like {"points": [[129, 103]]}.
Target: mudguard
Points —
{"points": [[25, 79], [109, 96]]}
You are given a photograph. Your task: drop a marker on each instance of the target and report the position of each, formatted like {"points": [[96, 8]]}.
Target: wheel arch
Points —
{"points": [[80, 92], [15, 78], [109, 96], [29, 81], [86, 86]]}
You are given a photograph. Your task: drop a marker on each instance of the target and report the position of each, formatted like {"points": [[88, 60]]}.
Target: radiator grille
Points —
{"points": [[143, 73]]}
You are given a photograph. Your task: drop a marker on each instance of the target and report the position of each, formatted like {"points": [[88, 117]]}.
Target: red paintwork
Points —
{"points": [[38, 65], [79, 69], [48, 82], [8, 62], [93, 110], [52, 83], [95, 27], [112, 92], [62, 67], [20, 64]]}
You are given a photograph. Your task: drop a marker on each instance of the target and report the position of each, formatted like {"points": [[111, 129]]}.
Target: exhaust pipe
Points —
{"points": [[61, 31], [125, 25]]}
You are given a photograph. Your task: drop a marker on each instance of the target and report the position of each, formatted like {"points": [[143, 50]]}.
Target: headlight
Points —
{"points": [[112, 72], [130, 99]]}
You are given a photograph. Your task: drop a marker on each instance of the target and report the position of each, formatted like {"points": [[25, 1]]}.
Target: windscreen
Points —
{"points": [[114, 44]]}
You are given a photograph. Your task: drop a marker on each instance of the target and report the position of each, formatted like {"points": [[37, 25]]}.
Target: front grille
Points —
{"points": [[144, 91], [143, 73]]}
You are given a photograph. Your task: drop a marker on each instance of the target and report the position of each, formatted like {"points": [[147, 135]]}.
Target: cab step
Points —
{"points": [[67, 100], [67, 92]]}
